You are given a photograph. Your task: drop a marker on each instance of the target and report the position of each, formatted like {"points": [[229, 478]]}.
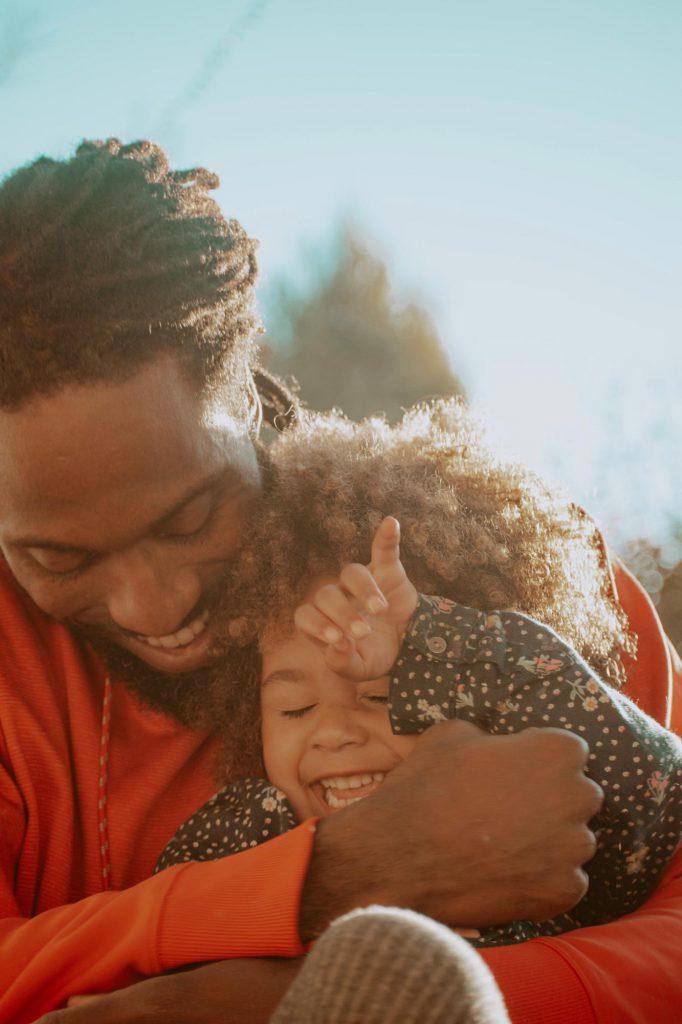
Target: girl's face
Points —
{"points": [[327, 742]]}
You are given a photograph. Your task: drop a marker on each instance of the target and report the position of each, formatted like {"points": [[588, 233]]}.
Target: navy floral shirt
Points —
{"points": [[503, 672]]}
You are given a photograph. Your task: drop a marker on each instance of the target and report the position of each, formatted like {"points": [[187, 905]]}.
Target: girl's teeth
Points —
{"points": [[349, 782], [353, 781], [335, 801]]}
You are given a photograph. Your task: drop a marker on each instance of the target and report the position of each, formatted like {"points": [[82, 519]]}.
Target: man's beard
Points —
{"points": [[191, 698]]}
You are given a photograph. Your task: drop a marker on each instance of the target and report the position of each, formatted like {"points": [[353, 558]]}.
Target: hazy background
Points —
{"points": [[455, 195]]}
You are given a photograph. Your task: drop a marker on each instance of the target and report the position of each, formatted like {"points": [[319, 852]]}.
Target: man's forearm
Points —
{"points": [[470, 829]]}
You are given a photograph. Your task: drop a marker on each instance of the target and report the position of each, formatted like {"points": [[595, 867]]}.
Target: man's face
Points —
{"points": [[121, 507]]}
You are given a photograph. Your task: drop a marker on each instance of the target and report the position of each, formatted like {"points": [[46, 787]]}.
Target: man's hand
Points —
{"points": [[470, 829], [233, 991], [360, 618]]}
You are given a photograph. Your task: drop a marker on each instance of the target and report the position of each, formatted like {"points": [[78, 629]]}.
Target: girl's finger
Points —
{"points": [[339, 607], [360, 583], [314, 623], [310, 621], [386, 544]]}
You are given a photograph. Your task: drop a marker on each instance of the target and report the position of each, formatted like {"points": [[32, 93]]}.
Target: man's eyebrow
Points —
{"points": [[194, 492]]}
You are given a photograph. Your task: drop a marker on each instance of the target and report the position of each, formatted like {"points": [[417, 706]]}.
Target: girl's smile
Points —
{"points": [[327, 741]]}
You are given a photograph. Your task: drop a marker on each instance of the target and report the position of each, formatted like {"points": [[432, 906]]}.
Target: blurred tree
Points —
{"points": [[659, 569], [347, 344]]}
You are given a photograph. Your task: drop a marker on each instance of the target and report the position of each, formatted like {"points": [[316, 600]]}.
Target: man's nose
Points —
{"points": [[336, 727], [151, 595]]}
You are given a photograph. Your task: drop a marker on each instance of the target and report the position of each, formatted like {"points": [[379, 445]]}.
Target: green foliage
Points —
{"points": [[347, 344]]}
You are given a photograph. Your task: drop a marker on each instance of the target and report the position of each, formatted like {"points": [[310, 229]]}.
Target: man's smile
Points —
{"points": [[181, 638], [185, 650]]}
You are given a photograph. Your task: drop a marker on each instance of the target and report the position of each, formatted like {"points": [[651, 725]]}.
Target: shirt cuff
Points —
{"points": [[244, 905]]}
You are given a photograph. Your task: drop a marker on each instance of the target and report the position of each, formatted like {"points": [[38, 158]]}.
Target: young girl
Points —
{"points": [[369, 663]]}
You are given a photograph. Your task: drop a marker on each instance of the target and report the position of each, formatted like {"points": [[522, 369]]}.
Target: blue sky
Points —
{"points": [[517, 165]]}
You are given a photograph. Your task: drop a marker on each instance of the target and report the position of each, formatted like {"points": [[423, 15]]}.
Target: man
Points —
{"points": [[127, 470]]}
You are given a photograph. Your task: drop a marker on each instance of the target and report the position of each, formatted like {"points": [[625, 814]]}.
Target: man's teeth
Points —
{"points": [[183, 637], [349, 782]]}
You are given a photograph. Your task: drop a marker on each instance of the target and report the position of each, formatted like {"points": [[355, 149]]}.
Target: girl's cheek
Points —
{"points": [[278, 756]]}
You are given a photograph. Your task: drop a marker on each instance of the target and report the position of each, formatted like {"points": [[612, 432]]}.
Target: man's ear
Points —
{"points": [[255, 409]]}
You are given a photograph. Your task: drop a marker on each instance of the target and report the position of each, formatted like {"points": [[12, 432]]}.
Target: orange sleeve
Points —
{"points": [[246, 905], [628, 971], [60, 934]]}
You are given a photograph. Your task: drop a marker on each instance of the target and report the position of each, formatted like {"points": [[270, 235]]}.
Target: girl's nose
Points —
{"points": [[337, 727]]}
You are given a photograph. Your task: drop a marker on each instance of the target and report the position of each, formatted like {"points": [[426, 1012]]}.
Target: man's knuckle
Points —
{"points": [[588, 844], [579, 744], [569, 889], [573, 745], [579, 886], [596, 795], [579, 846], [588, 797], [562, 740]]}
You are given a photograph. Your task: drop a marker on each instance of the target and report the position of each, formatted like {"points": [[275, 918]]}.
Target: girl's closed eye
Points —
{"points": [[296, 712], [373, 692]]}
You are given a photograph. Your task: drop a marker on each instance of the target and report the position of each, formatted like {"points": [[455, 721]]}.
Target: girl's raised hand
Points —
{"points": [[361, 617]]}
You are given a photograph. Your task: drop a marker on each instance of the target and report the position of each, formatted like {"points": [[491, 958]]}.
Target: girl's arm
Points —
{"points": [[242, 815], [505, 672]]}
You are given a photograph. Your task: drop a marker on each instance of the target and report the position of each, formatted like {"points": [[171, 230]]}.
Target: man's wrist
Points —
{"points": [[342, 873]]}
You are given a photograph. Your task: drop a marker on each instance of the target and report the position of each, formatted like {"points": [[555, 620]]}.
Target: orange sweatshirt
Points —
{"points": [[61, 934]]}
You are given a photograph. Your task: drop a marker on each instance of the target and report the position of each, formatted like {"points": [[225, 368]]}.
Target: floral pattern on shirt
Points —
{"points": [[237, 817], [505, 672]]}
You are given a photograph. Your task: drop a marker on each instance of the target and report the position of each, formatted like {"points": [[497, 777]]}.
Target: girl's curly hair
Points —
{"points": [[484, 532]]}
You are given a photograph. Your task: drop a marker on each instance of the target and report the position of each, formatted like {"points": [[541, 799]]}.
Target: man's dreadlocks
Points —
{"points": [[111, 258]]}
